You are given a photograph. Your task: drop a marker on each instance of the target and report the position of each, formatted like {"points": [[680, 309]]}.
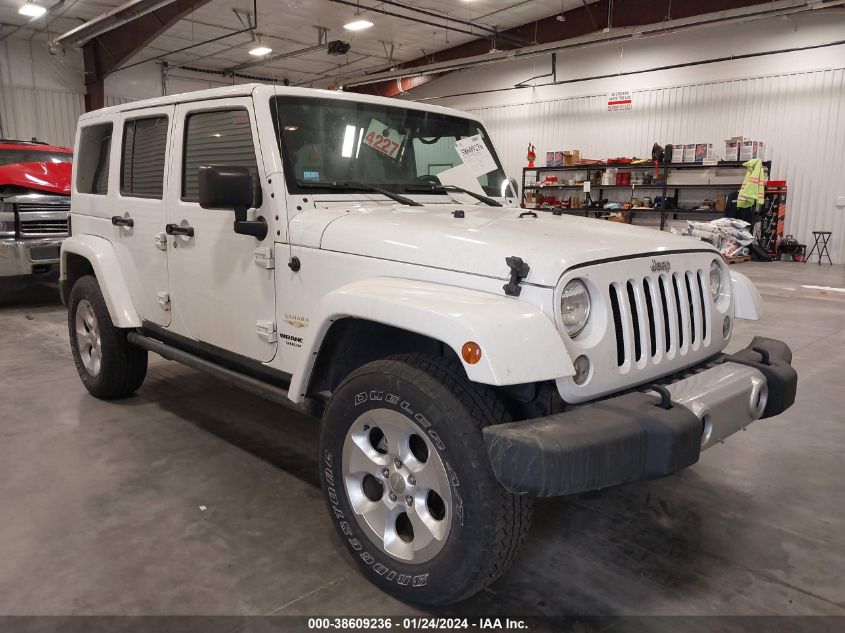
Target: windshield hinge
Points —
{"points": [[266, 331], [264, 257], [519, 271]]}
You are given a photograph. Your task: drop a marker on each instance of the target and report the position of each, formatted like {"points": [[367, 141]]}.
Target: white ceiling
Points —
{"points": [[288, 25]]}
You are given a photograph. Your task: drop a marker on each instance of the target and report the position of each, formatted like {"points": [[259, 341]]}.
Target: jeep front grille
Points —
{"points": [[660, 316]]}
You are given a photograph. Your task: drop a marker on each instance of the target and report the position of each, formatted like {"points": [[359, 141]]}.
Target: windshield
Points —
{"points": [[337, 142], [14, 156]]}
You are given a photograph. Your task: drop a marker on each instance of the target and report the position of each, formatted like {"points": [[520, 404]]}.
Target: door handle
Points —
{"points": [[119, 220], [175, 229]]}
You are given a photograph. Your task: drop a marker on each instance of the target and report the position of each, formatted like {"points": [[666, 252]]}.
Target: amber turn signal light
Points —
{"points": [[471, 352]]}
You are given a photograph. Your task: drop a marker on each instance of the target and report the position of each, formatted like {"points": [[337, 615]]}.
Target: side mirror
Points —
{"points": [[225, 187], [231, 187]]}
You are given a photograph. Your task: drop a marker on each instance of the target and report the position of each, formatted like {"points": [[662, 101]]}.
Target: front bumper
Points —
{"points": [[639, 435], [29, 256]]}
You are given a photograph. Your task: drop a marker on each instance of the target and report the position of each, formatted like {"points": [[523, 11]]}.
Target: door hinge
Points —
{"points": [[266, 331], [160, 240], [164, 301], [264, 257]]}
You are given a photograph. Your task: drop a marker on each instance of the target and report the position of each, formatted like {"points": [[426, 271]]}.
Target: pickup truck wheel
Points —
{"points": [[109, 366], [408, 482]]}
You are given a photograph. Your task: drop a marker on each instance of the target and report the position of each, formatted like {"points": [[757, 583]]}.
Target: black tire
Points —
{"points": [[123, 366], [488, 524]]}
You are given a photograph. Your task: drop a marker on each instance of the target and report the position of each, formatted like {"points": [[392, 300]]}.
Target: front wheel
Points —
{"points": [[408, 482], [109, 366]]}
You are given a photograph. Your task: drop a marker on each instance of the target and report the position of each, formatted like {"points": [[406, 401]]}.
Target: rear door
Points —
{"points": [[221, 293], [139, 212]]}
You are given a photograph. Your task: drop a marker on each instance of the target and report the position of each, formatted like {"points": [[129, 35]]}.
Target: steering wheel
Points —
{"points": [[434, 180]]}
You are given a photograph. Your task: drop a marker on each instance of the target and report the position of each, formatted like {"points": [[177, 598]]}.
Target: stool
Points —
{"points": [[822, 238]]}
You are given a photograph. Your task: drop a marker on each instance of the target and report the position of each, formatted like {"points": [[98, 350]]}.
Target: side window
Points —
{"points": [[143, 156], [92, 163], [221, 137]]}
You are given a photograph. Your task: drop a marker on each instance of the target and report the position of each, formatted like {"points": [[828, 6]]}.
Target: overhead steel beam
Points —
{"points": [[279, 56], [104, 51], [580, 21], [107, 21], [473, 25], [490, 36]]}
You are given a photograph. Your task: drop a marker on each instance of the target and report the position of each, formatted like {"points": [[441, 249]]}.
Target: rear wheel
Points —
{"points": [[409, 484], [109, 366]]}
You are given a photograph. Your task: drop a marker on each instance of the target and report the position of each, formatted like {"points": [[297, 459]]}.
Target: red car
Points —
{"points": [[34, 205]]}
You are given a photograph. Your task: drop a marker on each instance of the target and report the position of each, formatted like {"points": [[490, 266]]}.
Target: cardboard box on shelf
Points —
{"points": [[563, 158], [720, 204]]}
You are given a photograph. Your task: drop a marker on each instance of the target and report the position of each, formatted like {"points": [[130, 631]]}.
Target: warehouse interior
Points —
{"points": [[195, 498]]}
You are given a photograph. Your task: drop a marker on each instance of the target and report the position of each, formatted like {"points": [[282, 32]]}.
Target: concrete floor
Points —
{"points": [[194, 498]]}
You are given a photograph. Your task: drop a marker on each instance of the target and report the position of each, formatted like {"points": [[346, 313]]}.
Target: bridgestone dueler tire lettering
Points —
{"points": [[488, 524]]}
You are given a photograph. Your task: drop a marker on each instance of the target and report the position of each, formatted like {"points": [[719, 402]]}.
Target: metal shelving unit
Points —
{"points": [[661, 186]]}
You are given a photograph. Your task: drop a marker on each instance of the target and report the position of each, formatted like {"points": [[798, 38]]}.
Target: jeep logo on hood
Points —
{"points": [[660, 266]]}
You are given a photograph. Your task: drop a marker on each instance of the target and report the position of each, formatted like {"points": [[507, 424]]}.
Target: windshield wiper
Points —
{"points": [[477, 196], [305, 184], [447, 188]]}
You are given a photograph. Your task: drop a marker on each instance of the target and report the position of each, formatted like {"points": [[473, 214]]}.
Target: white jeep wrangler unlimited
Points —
{"points": [[359, 258]]}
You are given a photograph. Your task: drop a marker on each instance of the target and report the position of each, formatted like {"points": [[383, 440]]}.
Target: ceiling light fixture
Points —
{"points": [[32, 10], [359, 24], [258, 51]]}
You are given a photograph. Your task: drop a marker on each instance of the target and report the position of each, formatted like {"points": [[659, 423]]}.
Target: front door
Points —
{"points": [[220, 294]]}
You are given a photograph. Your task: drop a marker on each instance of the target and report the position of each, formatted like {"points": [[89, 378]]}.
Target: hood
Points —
{"points": [[49, 177], [480, 242]]}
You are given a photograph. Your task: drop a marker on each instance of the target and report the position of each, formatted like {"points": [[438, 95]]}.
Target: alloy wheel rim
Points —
{"points": [[88, 338], [397, 486]]}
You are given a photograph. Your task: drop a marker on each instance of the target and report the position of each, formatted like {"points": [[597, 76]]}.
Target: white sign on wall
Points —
{"points": [[620, 100]]}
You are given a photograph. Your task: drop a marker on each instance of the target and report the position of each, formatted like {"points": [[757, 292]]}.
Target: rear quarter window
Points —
{"points": [[92, 163]]}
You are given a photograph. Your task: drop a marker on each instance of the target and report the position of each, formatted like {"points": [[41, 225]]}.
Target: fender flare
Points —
{"points": [[101, 255], [519, 343], [747, 301]]}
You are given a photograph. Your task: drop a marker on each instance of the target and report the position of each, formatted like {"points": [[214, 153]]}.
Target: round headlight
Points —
{"points": [[574, 307], [715, 279]]}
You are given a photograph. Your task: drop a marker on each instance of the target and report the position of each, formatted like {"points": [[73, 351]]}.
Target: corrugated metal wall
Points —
{"points": [[800, 116], [49, 115]]}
